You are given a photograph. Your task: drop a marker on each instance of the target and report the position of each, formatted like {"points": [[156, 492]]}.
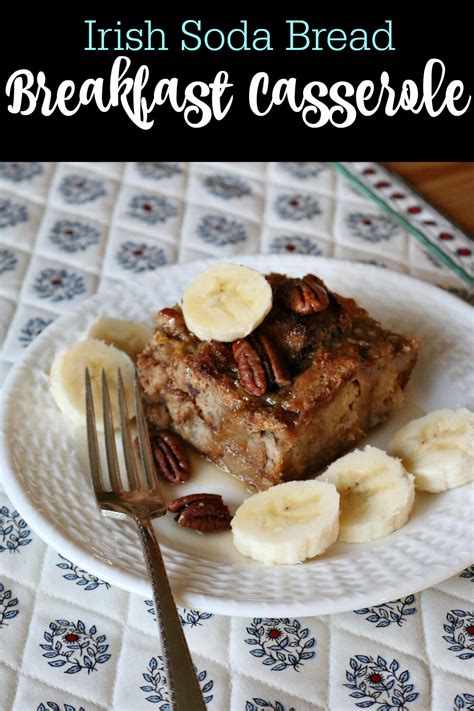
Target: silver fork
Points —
{"points": [[142, 502]]}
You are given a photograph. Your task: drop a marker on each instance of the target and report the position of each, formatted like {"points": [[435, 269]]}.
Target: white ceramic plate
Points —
{"points": [[46, 469]]}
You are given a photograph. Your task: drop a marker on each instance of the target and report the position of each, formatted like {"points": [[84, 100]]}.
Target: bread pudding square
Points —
{"points": [[314, 377]]}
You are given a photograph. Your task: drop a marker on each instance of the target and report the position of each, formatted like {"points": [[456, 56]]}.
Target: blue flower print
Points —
{"points": [[372, 228], [390, 613], [157, 170], [32, 328], [11, 213], [464, 701], [8, 260], [280, 643], [72, 645], [53, 706], [80, 576], [261, 705], [376, 683], [468, 573], [220, 230], [460, 633], [78, 189], [17, 172], [152, 209], [294, 243], [157, 685], [297, 207], [140, 257], [7, 606], [227, 186], [302, 169], [59, 284], [71, 236], [14, 531], [193, 618]]}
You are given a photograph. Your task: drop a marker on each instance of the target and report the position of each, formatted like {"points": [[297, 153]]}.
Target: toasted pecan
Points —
{"points": [[306, 295], [201, 512], [170, 455], [259, 363]]}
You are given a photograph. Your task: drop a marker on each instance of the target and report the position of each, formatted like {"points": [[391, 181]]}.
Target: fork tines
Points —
{"points": [[138, 460], [92, 443]]}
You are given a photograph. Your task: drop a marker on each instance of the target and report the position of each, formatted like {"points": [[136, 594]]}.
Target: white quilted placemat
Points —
{"points": [[69, 641]]}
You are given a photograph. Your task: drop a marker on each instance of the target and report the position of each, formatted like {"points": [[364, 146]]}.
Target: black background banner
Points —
{"points": [[52, 40]]}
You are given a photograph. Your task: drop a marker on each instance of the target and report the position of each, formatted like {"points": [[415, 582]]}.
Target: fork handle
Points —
{"points": [[184, 689]]}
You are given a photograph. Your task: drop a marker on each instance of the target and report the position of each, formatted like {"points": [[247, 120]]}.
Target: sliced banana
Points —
{"points": [[438, 449], [288, 523], [226, 302], [128, 336], [67, 379], [377, 494]]}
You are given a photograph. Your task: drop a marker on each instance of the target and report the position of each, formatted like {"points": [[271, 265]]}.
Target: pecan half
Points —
{"points": [[251, 371], [201, 512], [171, 458], [259, 363], [306, 295], [273, 363]]}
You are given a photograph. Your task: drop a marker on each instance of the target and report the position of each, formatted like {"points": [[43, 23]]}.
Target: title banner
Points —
{"points": [[340, 84]]}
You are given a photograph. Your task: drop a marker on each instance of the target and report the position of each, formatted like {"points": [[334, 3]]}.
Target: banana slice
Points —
{"points": [[377, 494], [67, 379], [128, 336], [438, 449], [288, 523], [226, 302]]}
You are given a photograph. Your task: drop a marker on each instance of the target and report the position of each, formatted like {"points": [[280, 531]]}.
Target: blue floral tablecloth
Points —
{"points": [[70, 641]]}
